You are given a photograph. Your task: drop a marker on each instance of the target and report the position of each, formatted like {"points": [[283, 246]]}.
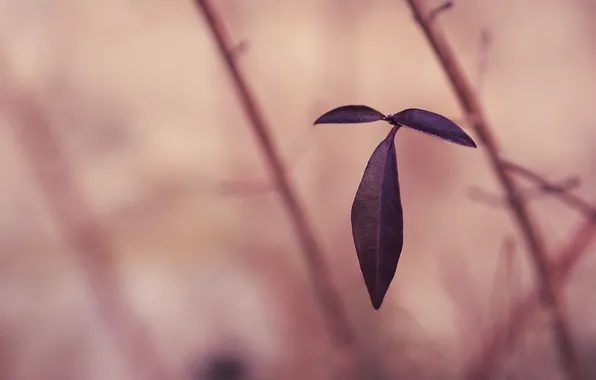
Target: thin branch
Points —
{"points": [[571, 200], [560, 190], [486, 39], [458, 283], [479, 195], [504, 278], [572, 252], [328, 297], [240, 48], [89, 240], [555, 189], [471, 105], [507, 331], [445, 5], [509, 284]]}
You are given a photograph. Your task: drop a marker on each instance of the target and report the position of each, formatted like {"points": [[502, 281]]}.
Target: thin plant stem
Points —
{"points": [[328, 297], [468, 99], [86, 236], [564, 195], [507, 331]]}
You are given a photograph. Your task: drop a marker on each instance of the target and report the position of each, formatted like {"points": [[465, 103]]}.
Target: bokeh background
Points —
{"points": [[201, 250]]}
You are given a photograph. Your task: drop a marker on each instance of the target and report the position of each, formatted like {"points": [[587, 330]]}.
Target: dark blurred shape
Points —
{"points": [[224, 366]]}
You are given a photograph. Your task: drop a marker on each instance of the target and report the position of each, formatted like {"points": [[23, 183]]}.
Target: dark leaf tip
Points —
{"points": [[376, 303]]}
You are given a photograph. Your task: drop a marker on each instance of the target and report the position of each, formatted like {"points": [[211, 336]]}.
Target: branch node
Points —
{"points": [[240, 48], [446, 5], [560, 190]]}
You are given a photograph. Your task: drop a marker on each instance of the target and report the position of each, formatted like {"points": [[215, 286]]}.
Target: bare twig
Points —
{"points": [[572, 252], [240, 48], [564, 186], [560, 190], [471, 105], [510, 282], [509, 329], [485, 41], [458, 282], [445, 5], [501, 282], [562, 193], [328, 297], [88, 239], [479, 195]]}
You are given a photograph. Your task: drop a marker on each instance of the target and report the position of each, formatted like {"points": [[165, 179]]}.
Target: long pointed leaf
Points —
{"points": [[377, 220], [432, 124], [350, 114]]}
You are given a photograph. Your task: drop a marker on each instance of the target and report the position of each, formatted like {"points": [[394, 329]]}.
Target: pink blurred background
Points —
{"points": [[203, 250]]}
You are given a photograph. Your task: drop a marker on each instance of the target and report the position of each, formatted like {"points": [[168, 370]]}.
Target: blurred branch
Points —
{"points": [[564, 186], [471, 105], [164, 196], [560, 192], [89, 241], [458, 283], [486, 39], [447, 4], [508, 285], [572, 252], [508, 330], [560, 189], [328, 297], [479, 195], [240, 48]]}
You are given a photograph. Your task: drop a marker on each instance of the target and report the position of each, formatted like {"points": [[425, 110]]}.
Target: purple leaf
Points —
{"points": [[350, 114], [377, 220], [433, 124]]}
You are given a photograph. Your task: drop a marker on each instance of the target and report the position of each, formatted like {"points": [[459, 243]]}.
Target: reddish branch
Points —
{"points": [[329, 300], [83, 233], [560, 190], [550, 291], [509, 330], [557, 190]]}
